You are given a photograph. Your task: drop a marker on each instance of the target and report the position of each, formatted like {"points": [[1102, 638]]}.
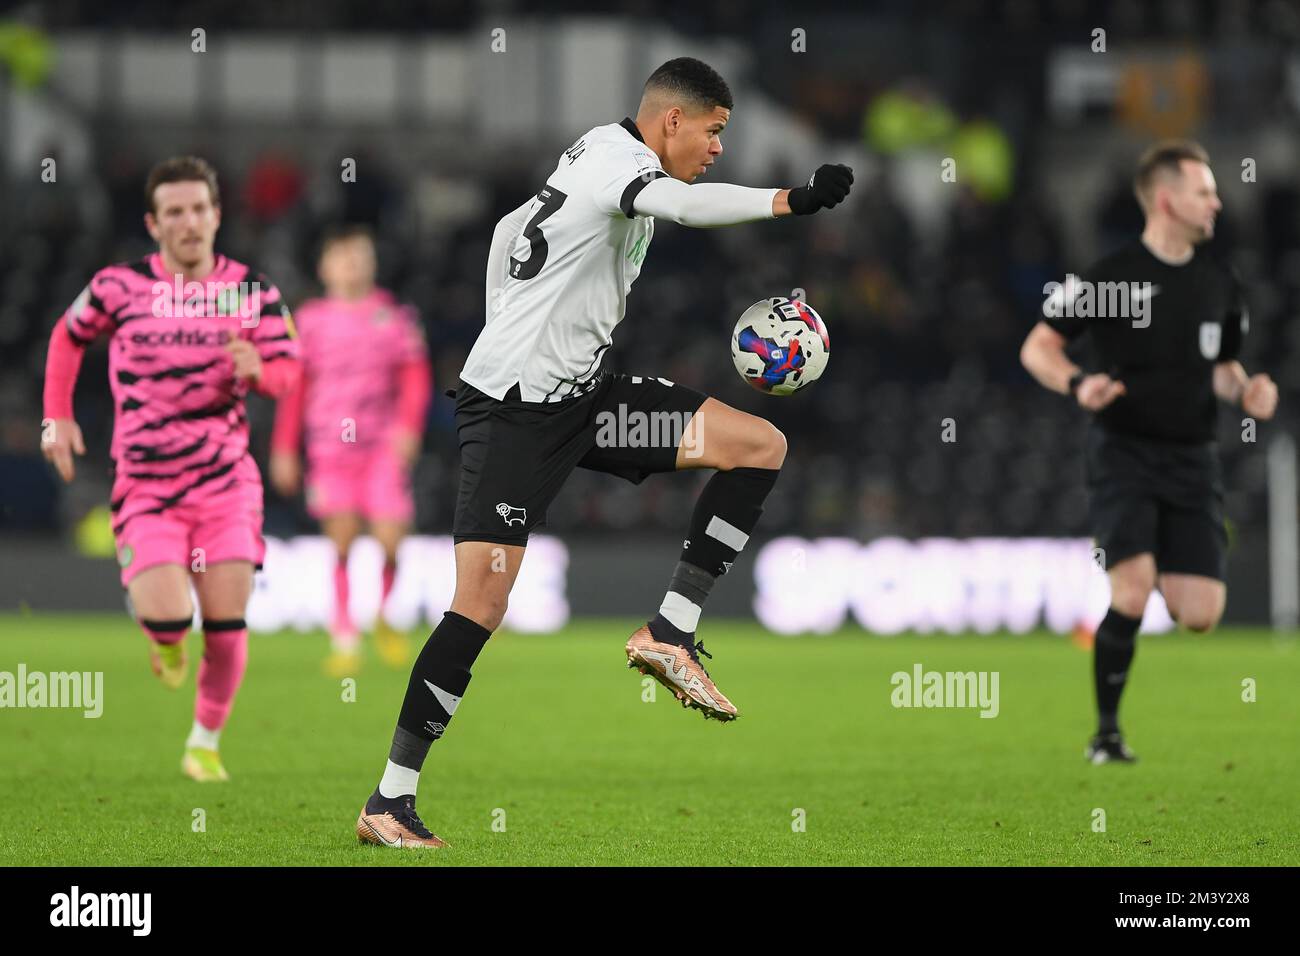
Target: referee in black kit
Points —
{"points": [[1165, 325]]}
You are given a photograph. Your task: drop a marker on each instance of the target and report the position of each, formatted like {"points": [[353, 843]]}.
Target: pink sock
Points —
{"points": [[225, 655], [343, 632]]}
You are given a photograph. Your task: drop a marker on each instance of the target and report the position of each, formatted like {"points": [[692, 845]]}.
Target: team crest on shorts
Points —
{"points": [[125, 555], [1211, 338], [510, 514]]}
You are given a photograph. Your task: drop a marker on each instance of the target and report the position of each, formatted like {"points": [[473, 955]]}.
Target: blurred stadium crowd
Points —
{"points": [[925, 322]]}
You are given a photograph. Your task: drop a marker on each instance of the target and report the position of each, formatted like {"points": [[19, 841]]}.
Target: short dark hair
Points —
{"points": [[1165, 156], [181, 169], [342, 232], [693, 80]]}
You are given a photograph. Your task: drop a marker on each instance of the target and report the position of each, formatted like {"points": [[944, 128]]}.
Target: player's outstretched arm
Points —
{"points": [[708, 205], [88, 318], [60, 434], [827, 188]]}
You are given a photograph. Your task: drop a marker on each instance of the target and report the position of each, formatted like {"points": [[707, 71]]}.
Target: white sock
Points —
{"points": [[200, 736], [398, 781], [681, 613]]}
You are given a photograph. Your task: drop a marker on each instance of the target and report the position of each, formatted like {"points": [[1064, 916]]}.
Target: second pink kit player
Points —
{"points": [[354, 407]]}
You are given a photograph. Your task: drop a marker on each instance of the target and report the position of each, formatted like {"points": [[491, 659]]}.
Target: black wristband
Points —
{"points": [[1075, 381]]}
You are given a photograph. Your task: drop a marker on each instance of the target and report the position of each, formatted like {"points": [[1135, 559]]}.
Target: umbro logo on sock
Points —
{"points": [[435, 728]]}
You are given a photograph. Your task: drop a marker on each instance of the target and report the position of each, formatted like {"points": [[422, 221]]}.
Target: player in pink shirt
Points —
{"points": [[190, 333], [361, 405]]}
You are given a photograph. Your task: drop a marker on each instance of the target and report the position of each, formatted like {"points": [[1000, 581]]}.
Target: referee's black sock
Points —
{"points": [[724, 517], [1112, 654], [438, 682]]}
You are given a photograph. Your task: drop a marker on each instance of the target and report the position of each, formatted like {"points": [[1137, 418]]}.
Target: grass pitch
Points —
{"points": [[554, 757]]}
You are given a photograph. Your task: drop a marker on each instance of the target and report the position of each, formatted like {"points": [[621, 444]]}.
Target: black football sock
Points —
{"points": [[680, 612], [1113, 651], [438, 682], [666, 632], [725, 515]]}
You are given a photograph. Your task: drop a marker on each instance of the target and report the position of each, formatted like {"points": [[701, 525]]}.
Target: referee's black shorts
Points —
{"points": [[1162, 498], [515, 455]]}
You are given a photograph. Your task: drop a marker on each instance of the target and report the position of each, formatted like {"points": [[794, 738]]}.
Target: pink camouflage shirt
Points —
{"points": [[180, 432]]}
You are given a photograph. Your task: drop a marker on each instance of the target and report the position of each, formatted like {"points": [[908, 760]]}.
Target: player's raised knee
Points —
{"points": [[766, 448], [778, 447]]}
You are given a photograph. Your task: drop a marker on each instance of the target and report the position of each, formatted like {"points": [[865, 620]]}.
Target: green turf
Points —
{"points": [[554, 733]]}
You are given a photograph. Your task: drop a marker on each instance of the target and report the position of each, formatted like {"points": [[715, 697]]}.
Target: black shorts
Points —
{"points": [[1162, 498], [515, 455]]}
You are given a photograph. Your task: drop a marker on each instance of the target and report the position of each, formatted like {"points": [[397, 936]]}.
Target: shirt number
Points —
{"points": [[551, 201]]}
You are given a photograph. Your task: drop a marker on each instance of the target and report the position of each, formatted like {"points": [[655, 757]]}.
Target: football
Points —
{"points": [[780, 345]]}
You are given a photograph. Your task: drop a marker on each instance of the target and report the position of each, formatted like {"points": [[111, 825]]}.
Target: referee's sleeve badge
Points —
{"points": [[1211, 339]]}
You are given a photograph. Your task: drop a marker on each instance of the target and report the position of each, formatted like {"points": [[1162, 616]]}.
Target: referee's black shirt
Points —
{"points": [[1197, 317]]}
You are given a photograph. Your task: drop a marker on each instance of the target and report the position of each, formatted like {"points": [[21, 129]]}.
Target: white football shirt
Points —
{"points": [[569, 270]]}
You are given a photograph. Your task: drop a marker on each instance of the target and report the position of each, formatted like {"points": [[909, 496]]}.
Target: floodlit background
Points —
{"points": [[453, 114]]}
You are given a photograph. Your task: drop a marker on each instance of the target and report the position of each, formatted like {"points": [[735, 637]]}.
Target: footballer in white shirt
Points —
{"points": [[533, 404]]}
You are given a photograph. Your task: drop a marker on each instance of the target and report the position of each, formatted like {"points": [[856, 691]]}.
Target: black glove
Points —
{"points": [[826, 189]]}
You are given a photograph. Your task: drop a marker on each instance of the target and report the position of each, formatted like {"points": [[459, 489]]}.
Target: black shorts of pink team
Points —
{"points": [[515, 455], [1158, 497]]}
